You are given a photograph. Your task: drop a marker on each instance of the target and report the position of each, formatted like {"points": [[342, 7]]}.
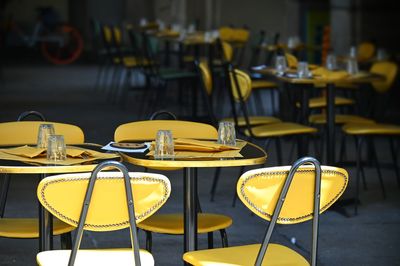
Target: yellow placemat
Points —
{"points": [[75, 155], [189, 148], [324, 73]]}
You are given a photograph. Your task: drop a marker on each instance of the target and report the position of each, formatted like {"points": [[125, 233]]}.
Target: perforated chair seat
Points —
{"points": [[263, 84], [371, 129], [320, 102], [245, 256], [280, 129], [255, 120], [94, 257], [29, 227], [339, 119], [173, 223]]}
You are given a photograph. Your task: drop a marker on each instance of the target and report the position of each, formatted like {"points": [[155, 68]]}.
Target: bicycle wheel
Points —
{"points": [[68, 52]]}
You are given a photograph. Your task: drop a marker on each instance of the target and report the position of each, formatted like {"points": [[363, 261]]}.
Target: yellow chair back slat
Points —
{"points": [[259, 190], [227, 50], [63, 196], [147, 130], [291, 60], [244, 82], [206, 76], [365, 51], [117, 35], [225, 33], [241, 35], [386, 69], [26, 132], [107, 34]]}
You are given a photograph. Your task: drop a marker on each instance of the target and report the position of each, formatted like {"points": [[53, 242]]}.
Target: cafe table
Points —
{"points": [[251, 155], [327, 82], [11, 165]]}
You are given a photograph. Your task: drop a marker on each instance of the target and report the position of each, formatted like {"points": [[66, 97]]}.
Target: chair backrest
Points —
{"points": [[26, 132], [365, 51], [386, 69], [147, 130], [291, 60], [104, 201], [240, 83], [289, 195], [206, 77]]}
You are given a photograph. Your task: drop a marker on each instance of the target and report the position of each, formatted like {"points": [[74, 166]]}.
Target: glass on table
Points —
{"points": [[331, 62], [164, 147], [352, 66], [227, 133], [280, 65], [353, 52], [302, 70], [45, 130], [56, 149]]}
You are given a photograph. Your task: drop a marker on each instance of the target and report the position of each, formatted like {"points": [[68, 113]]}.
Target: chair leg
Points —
{"points": [[378, 168], [215, 183], [394, 156], [149, 240], [210, 240], [4, 191], [66, 241], [224, 238], [359, 166], [361, 169], [342, 153]]}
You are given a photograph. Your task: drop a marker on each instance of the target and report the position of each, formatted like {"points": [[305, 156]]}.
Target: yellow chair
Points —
{"points": [[365, 51], [173, 223], [284, 195], [207, 85], [240, 91], [21, 133], [100, 202]]}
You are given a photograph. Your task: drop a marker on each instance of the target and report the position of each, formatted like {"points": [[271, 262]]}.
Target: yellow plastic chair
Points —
{"points": [[240, 91], [365, 51], [173, 223], [21, 133], [100, 202], [284, 195]]}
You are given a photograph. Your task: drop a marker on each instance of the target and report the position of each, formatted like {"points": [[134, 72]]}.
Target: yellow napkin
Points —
{"points": [[324, 73], [190, 148], [75, 155], [33, 152]]}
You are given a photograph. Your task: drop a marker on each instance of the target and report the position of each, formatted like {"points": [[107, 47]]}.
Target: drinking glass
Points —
{"points": [[352, 66], [226, 133], [56, 150], [302, 70], [331, 62], [381, 54], [43, 134], [164, 144], [353, 52], [280, 65]]}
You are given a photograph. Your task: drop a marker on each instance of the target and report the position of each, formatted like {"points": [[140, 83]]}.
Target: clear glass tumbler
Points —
{"points": [[227, 133], [164, 144], [45, 130], [56, 150]]}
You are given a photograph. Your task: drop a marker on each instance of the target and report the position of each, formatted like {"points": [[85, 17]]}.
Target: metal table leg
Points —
{"points": [[330, 140], [45, 228], [190, 209]]}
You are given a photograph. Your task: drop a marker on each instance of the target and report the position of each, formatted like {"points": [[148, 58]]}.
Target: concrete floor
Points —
{"points": [[65, 94]]}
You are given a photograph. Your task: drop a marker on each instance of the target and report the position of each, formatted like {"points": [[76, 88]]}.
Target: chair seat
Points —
{"points": [[339, 119], [263, 84], [96, 257], [172, 73], [173, 223], [320, 102], [245, 255], [371, 129], [132, 61], [280, 129], [29, 227], [255, 120]]}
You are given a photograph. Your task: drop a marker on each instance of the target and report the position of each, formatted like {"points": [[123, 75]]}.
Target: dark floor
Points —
{"points": [[66, 94]]}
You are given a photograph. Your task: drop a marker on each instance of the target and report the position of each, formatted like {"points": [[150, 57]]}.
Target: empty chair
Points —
{"points": [[22, 133], [99, 202], [284, 195]]}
